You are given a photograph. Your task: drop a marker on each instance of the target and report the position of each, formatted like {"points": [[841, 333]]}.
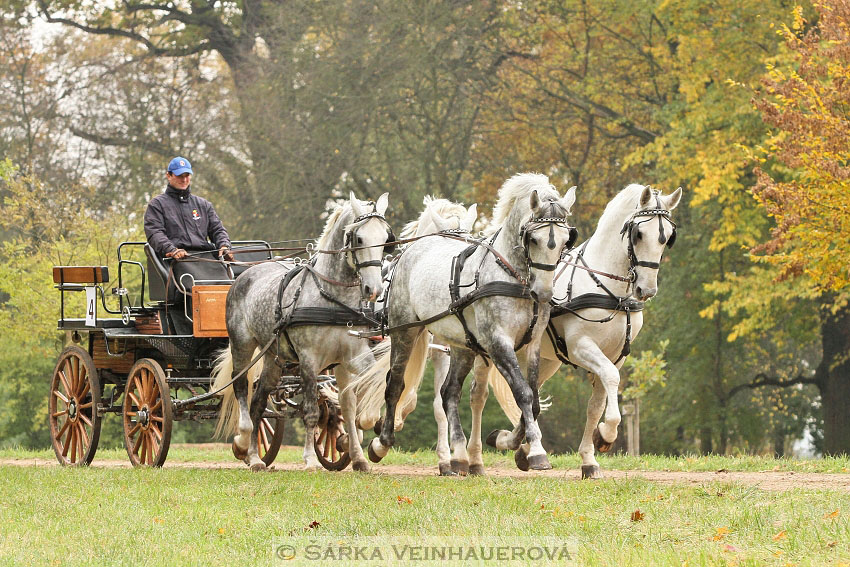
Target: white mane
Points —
{"points": [[517, 187], [443, 208], [324, 241]]}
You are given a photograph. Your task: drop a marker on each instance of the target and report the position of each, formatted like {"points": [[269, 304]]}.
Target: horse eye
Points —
{"points": [[638, 235], [359, 241]]}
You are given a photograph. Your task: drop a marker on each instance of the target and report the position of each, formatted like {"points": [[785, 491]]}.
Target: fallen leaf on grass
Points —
{"points": [[721, 533], [781, 535], [221, 531], [833, 514], [730, 548], [637, 516], [404, 500], [313, 525], [832, 544], [159, 520]]}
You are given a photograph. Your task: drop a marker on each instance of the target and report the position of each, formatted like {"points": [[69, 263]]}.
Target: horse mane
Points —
{"points": [[626, 200], [517, 187], [324, 241], [443, 209]]}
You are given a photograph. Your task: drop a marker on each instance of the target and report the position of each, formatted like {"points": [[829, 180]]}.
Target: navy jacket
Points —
{"points": [[178, 219]]}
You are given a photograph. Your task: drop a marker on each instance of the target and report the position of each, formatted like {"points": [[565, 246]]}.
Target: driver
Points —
{"points": [[177, 219]]}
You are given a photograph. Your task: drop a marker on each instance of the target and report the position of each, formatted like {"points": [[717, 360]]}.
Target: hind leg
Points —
{"points": [[461, 363], [595, 407], [242, 355], [267, 382], [477, 399], [441, 361], [402, 346], [348, 405], [310, 411]]}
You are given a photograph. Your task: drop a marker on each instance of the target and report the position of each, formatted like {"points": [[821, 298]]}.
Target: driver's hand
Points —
{"points": [[177, 254], [225, 252]]}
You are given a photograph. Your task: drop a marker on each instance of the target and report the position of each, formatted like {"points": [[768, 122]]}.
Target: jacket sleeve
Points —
{"points": [[216, 231], [155, 229]]}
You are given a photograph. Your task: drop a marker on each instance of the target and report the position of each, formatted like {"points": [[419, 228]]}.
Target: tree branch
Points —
{"points": [[150, 145], [762, 379]]}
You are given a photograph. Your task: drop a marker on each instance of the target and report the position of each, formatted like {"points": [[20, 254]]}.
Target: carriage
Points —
{"points": [[150, 359]]}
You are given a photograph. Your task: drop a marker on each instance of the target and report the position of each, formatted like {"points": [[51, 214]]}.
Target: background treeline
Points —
{"points": [[284, 106]]}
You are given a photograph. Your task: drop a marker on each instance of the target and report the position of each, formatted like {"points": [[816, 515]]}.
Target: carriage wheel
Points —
{"points": [[328, 430], [72, 407], [269, 438], [147, 414]]}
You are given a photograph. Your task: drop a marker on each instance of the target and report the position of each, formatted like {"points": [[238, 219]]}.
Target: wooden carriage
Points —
{"points": [[150, 360]]}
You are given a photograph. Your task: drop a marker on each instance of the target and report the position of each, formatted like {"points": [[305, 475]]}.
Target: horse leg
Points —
{"points": [[547, 370], [242, 355], [441, 361], [402, 346], [348, 405], [267, 382], [461, 363], [310, 411], [595, 407], [477, 399], [504, 358]]}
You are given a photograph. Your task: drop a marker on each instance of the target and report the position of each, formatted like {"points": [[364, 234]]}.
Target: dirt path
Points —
{"points": [[765, 480]]}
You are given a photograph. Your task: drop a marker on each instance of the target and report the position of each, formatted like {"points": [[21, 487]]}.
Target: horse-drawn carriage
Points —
{"points": [[150, 359]]}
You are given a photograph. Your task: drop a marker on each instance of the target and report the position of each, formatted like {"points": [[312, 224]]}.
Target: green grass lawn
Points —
{"points": [[107, 516]]}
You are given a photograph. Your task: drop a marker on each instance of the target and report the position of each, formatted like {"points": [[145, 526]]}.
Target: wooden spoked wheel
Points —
{"points": [[269, 438], [72, 407], [148, 414], [329, 429]]}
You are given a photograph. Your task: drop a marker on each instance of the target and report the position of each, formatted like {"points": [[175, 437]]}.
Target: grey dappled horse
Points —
{"points": [[360, 229], [630, 238], [532, 234]]}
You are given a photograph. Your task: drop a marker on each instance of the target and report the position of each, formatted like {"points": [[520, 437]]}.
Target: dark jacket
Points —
{"points": [[178, 219]]}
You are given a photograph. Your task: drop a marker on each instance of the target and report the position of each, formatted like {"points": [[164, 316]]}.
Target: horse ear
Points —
{"points": [[356, 207], [569, 198], [645, 197], [381, 204], [534, 200], [672, 200], [469, 219], [440, 222]]}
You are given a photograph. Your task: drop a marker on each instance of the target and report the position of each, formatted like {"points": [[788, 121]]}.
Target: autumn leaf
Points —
{"points": [[637, 516], [721, 533], [313, 525], [780, 536], [404, 500], [833, 514], [159, 520]]}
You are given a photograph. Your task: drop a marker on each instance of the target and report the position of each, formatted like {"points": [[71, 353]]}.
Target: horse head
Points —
{"points": [[365, 239], [645, 234]]}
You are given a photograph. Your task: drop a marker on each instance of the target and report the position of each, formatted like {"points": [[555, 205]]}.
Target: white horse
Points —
{"points": [[628, 243], [267, 300], [509, 283]]}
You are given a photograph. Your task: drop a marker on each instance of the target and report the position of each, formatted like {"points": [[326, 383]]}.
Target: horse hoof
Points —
{"points": [[240, 454], [539, 463], [379, 425], [446, 470], [599, 443], [521, 460], [360, 466], [593, 472], [476, 470], [373, 456], [460, 467], [258, 467], [491, 439], [342, 443]]}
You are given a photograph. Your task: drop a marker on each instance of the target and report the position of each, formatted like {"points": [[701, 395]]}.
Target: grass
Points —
{"points": [[689, 463], [97, 516]]}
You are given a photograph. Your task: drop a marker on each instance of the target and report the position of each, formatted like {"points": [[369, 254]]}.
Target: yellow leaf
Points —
{"points": [[779, 536], [833, 514]]}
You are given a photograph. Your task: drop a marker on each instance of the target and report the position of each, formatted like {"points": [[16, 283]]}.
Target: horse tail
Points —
{"points": [[370, 386], [222, 373], [505, 396]]}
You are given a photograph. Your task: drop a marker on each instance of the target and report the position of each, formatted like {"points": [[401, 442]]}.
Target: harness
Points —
{"points": [[609, 300]]}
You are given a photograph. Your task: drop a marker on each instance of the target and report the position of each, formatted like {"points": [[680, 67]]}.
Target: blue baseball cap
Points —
{"points": [[179, 166]]}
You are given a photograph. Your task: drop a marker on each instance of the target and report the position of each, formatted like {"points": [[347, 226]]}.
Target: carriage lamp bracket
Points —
{"points": [[123, 348]]}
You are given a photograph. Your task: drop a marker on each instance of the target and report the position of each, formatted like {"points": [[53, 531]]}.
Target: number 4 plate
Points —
{"points": [[91, 306]]}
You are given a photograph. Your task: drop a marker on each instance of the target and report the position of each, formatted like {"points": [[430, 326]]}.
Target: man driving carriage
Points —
{"points": [[177, 220]]}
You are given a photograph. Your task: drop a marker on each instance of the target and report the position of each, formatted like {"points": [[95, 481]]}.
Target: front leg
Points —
{"points": [[461, 363], [348, 405], [501, 351], [477, 399], [266, 383], [441, 361], [310, 412]]}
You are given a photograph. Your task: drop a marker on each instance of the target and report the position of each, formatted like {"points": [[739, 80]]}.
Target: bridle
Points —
{"points": [[557, 217], [351, 234], [631, 227]]}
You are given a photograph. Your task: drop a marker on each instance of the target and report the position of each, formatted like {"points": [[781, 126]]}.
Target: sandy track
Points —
{"points": [[765, 480]]}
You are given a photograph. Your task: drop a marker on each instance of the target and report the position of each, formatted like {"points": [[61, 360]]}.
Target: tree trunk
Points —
{"points": [[833, 376], [705, 445], [778, 442]]}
